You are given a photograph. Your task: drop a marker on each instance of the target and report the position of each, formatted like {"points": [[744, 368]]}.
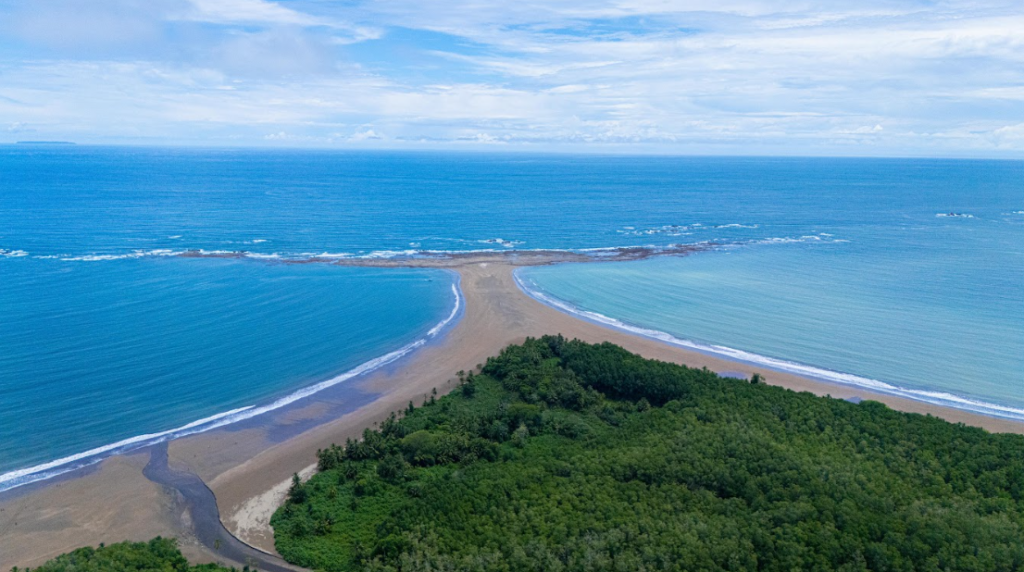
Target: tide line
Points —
{"points": [[63, 465], [821, 374]]}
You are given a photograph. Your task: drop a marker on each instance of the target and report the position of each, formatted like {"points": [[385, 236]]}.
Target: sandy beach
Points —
{"points": [[246, 466]]}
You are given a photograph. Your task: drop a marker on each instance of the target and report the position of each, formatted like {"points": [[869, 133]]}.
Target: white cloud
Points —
{"points": [[865, 129], [1009, 135], [279, 52], [271, 14], [247, 12], [939, 76], [365, 135], [86, 24]]}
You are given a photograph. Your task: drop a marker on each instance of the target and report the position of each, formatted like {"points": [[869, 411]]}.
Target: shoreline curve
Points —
{"points": [[244, 463], [57, 467], [824, 375]]}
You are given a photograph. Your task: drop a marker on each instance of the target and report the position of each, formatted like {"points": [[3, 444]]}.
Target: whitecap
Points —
{"points": [[328, 255], [389, 253], [501, 242], [820, 237], [96, 257], [134, 254], [63, 465], [680, 229]]}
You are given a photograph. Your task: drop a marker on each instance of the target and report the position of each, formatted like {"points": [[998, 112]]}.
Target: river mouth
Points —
{"points": [[205, 521]]}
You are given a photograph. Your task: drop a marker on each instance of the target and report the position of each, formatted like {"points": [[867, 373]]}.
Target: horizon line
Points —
{"points": [[616, 151]]}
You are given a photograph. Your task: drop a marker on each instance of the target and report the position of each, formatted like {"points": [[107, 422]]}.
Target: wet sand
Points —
{"points": [[111, 504], [246, 465]]}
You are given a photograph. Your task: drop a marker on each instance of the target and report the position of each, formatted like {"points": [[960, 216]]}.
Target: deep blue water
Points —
{"points": [[98, 352], [841, 264]]}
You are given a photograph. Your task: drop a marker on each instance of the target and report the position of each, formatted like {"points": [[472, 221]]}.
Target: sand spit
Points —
{"points": [[456, 259], [246, 467]]}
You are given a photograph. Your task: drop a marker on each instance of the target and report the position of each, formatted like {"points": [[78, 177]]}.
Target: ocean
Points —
{"points": [[904, 276]]}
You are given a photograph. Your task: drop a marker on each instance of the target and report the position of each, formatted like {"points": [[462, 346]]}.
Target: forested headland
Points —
{"points": [[566, 456], [157, 555], [562, 455]]}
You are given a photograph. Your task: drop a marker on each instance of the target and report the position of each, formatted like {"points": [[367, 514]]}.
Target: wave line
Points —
{"points": [[933, 397], [63, 465]]}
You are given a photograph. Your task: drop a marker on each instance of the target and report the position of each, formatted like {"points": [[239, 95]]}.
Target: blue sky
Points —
{"points": [[873, 77]]}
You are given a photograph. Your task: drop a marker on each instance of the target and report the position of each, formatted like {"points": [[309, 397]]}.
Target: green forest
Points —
{"points": [[562, 455], [157, 555]]}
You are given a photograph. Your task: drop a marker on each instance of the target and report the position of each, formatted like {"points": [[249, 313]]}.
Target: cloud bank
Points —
{"points": [[941, 78]]}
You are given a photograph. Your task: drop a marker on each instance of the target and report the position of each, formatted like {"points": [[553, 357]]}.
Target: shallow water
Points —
{"points": [[843, 264], [95, 353], [820, 307]]}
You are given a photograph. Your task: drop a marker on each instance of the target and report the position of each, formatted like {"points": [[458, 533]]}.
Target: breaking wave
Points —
{"points": [[822, 374], [63, 465]]}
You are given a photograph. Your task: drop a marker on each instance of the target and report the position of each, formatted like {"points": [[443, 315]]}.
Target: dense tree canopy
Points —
{"points": [[157, 555], [563, 455]]}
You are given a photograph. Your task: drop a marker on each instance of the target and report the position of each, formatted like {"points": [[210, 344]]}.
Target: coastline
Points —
{"points": [[242, 462], [778, 365], [83, 460]]}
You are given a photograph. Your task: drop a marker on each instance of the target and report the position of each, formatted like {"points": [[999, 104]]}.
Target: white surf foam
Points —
{"points": [[501, 242], [505, 245], [680, 229], [52, 469], [60, 466], [389, 253], [158, 252], [307, 255], [821, 237], [12, 253], [927, 396]]}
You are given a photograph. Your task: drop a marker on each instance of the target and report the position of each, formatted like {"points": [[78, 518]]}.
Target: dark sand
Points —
{"points": [[246, 465]]}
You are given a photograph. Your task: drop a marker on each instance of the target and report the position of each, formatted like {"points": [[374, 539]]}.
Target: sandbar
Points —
{"points": [[247, 466]]}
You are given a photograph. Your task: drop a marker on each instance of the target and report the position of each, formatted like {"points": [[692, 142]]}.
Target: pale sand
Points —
{"points": [[247, 473], [251, 521], [113, 504], [497, 314]]}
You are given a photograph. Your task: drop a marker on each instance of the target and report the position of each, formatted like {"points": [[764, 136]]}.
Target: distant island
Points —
{"points": [[46, 143]]}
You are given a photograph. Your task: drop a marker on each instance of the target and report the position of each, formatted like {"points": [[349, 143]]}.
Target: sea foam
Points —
{"points": [[63, 465], [157, 252], [822, 374]]}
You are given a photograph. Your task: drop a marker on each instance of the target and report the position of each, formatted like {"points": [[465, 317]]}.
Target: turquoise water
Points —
{"points": [[95, 354], [848, 265], [896, 325]]}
